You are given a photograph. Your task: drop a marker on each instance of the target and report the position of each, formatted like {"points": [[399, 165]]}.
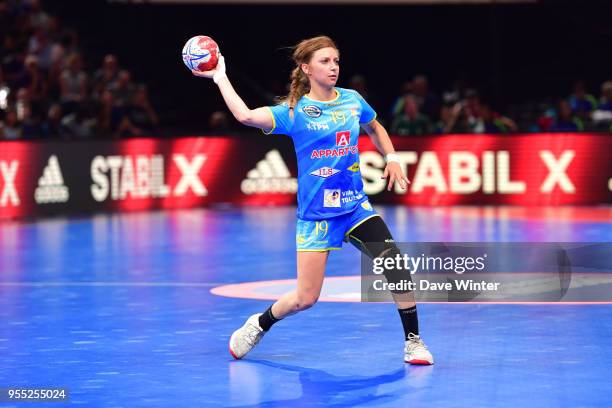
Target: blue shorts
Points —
{"points": [[327, 235]]}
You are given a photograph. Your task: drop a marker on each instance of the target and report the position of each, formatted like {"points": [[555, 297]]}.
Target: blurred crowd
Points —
{"points": [[419, 111], [46, 90]]}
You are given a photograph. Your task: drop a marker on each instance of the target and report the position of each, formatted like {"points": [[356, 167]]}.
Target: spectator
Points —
{"points": [[457, 93], [11, 128], [40, 45], [581, 103], [25, 105], [12, 59], [494, 123], [602, 117], [22, 101], [73, 84], [472, 106], [60, 57], [52, 126], [123, 90], [30, 124], [109, 115], [106, 76], [142, 115], [565, 120], [39, 19], [34, 79], [4, 91], [545, 121], [59, 50], [219, 122], [605, 102], [79, 124], [451, 120], [411, 121], [398, 105], [428, 102], [359, 84]]}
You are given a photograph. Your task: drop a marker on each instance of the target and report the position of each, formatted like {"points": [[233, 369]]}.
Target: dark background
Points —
{"points": [[510, 53]]}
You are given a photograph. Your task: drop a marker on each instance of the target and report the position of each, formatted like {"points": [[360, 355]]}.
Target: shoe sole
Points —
{"points": [[230, 348], [419, 362]]}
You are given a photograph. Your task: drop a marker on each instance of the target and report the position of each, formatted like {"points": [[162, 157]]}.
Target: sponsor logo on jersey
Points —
{"points": [[324, 172], [350, 196], [270, 175], [343, 151], [343, 138], [312, 110], [317, 126], [366, 206], [354, 167], [331, 198], [51, 188]]}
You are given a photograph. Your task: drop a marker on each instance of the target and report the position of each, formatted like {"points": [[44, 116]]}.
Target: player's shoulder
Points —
{"points": [[345, 91], [348, 93], [281, 107]]}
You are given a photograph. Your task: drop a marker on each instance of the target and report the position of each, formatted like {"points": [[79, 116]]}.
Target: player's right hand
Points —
{"points": [[218, 72]]}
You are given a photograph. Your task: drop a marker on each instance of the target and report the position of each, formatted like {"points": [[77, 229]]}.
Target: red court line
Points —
{"points": [[563, 213], [247, 290]]}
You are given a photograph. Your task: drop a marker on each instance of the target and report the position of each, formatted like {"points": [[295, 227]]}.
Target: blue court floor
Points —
{"points": [[117, 308]]}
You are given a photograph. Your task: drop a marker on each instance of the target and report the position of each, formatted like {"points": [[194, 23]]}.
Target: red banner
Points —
{"points": [[72, 177], [530, 169]]}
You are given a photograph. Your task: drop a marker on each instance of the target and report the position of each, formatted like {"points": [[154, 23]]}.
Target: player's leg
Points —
{"points": [[314, 240], [310, 273], [311, 270], [373, 238]]}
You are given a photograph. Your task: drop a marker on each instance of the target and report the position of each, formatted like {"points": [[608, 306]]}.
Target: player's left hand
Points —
{"points": [[396, 175]]}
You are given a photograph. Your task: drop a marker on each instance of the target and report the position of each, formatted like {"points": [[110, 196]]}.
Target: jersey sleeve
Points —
{"points": [[281, 120], [368, 114]]}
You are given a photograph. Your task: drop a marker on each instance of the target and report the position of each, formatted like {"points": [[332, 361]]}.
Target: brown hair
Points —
{"points": [[302, 53]]}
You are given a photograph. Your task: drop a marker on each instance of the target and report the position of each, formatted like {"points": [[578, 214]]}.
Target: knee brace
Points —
{"points": [[393, 274]]}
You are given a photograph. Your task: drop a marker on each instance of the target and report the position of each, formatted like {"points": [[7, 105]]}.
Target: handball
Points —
{"points": [[201, 53]]}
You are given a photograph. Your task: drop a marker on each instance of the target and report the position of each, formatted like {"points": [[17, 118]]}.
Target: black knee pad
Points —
{"points": [[394, 274], [374, 240]]}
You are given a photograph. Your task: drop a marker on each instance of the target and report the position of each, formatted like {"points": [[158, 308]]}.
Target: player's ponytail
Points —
{"points": [[302, 53], [298, 87]]}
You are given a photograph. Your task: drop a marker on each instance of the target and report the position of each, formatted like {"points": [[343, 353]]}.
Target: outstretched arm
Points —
{"points": [[382, 141], [260, 118]]}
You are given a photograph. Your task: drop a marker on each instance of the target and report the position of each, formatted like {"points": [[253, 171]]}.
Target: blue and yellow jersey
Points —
{"points": [[325, 136]]}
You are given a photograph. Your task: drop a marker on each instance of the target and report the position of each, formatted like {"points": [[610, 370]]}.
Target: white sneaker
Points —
{"points": [[246, 337], [416, 351]]}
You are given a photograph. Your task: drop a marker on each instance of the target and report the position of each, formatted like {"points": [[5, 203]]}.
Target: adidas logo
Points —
{"points": [[270, 175], [51, 188]]}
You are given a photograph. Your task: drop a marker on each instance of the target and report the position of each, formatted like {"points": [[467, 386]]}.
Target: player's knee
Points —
{"points": [[306, 300], [394, 274]]}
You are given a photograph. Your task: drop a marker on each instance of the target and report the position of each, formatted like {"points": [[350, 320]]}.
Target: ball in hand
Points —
{"points": [[201, 53]]}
